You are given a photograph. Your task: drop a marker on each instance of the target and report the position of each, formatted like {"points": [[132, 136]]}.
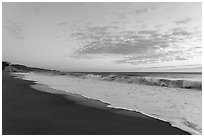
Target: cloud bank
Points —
{"points": [[134, 47]]}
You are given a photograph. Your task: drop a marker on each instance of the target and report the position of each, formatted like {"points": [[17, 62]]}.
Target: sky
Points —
{"points": [[104, 36]]}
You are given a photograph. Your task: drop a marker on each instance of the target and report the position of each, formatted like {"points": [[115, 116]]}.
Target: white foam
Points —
{"points": [[179, 82], [181, 107]]}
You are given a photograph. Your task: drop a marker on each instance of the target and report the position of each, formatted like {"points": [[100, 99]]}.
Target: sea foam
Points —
{"points": [[153, 81]]}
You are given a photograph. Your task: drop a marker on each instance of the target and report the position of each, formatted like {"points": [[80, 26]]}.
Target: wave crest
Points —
{"points": [[172, 83]]}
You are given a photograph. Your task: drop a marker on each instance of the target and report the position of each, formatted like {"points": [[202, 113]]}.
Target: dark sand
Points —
{"points": [[26, 111]]}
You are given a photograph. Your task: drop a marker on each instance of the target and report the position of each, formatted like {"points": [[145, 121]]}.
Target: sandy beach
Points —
{"points": [[26, 111]]}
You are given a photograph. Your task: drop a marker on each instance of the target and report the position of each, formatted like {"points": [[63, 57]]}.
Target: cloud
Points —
{"points": [[122, 48], [184, 21], [140, 59], [154, 8], [158, 26], [151, 33], [62, 23], [180, 32], [139, 11], [100, 40], [180, 58], [152, 57], [15, 29], [134, 47]]}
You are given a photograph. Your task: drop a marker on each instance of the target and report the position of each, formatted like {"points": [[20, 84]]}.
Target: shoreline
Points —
{"points": [[29, 111], [84, 101]]}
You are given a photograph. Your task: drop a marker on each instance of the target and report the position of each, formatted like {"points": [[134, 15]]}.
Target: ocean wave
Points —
{"points": [[153, 81]]}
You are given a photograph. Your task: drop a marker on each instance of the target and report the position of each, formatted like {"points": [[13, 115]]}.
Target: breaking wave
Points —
{"points": [[153, 81]]}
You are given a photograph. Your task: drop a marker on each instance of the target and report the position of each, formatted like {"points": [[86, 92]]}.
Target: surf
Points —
{"points": [[181, 107]]}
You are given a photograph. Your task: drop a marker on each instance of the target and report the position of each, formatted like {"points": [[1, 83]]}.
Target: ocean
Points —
{"points": [[172, 97]]}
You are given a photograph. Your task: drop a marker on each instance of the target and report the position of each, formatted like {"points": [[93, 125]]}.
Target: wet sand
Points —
{"points": [[27, 111]]}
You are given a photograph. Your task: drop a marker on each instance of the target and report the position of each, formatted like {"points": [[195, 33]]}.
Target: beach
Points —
{"points": [[178, 106], [102, 68], [26, 111]]}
